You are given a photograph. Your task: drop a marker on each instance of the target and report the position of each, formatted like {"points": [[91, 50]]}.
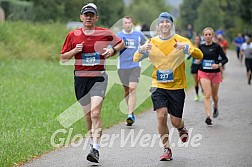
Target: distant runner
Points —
{"points": [[209, 73]]}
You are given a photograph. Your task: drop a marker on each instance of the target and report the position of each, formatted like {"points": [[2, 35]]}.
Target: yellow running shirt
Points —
{"points": [[169, 66]]}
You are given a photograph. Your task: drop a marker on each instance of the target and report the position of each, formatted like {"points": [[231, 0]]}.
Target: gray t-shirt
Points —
{"points": [[247, 48]]}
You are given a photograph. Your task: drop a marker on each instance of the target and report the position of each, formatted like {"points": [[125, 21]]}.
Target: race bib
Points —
{"points": [[165, 76], [207, 64], [90, 59], [129, 43]]}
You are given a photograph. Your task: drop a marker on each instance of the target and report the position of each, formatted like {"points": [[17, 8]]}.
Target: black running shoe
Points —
{"points": [[208, 121], [215, 113], [130, 120], [93, 156]]}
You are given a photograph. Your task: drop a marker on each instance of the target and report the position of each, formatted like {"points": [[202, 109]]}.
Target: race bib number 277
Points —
{"points": [[165, 76]]}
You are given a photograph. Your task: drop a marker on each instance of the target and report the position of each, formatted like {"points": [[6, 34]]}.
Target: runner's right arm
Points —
{"points": [[64, 57], [68, 51]]}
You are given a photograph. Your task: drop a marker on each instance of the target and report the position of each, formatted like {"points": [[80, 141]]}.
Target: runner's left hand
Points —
{"points": [[179, 45], [108, 52], [215, 66]]}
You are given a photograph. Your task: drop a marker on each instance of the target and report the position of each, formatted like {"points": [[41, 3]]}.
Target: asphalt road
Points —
{"points": [[226, 143]]}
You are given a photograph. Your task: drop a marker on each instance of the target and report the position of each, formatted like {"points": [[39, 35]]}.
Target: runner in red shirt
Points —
{"points": [[90, 46], [224, 45]]}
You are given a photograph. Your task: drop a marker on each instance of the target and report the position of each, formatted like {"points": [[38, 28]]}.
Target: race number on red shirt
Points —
{"points": [[91, 58]]}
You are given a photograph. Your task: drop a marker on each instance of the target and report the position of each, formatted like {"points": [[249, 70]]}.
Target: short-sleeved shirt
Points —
{"points": [[220, 32], [247, 48], [131, 42], [90, 58], [239, 41]]}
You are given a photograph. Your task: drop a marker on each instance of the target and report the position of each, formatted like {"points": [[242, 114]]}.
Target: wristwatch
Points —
{"points": [[114, 49]]}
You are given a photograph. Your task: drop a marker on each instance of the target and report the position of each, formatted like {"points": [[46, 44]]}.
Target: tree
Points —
{"points": [[188, 12], [245, 10], [235, 16], [48, 10], [109, 11], [147, 11], [65, 10], [209, 15], [72, 9]]}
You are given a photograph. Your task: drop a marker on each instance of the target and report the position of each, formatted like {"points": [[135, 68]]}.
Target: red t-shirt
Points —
{"points": [[90, 59]]}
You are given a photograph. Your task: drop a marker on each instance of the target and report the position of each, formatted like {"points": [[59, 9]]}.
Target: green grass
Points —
{"points": [[35, 89], [189, 78], [33, 94]]}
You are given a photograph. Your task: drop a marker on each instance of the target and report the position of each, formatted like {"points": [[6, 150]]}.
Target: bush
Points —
{"points": [[24, 40]]}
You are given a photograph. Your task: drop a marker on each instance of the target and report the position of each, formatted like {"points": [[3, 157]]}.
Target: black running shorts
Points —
{"points": [[172, 99], [248, 63], [86, 87]]}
